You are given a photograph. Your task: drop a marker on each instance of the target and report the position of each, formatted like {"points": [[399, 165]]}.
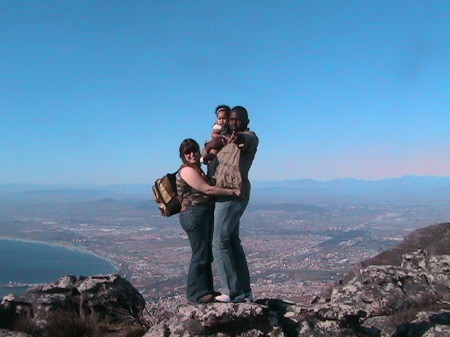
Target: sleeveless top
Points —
{"points": [[190, 196]]}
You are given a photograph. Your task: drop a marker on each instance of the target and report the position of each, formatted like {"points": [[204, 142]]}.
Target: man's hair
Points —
{"points": [[223, 107], [188, 144], [241, 111]]}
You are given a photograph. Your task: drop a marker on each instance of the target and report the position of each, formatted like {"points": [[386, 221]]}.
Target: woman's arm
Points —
{"points": [[196, 181]]}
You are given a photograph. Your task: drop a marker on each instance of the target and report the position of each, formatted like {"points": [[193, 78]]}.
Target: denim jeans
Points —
{"points": [[229, 256], [197, 221]]}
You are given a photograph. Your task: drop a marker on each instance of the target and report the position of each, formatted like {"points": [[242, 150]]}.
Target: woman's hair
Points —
{"points": [[222, 107], [188, 145]]}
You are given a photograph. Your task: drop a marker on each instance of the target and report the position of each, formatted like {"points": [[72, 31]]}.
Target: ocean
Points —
{"points": [[29, 262]]}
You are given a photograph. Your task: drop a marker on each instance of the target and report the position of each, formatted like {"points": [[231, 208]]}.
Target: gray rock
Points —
{"points": [[8, 333], [108, 298], [378, 301], [220, 319]]}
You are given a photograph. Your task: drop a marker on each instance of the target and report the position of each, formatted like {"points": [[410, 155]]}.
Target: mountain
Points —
{"points": [[405, 189], [406, 299], [433, 239], [60, 194]]}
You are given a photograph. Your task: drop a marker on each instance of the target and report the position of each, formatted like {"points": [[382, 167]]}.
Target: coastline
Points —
{"points": [[115, 264], [19, 287]]}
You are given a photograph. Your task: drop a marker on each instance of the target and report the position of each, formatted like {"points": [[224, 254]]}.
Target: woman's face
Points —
{"points": [[191, 156]]}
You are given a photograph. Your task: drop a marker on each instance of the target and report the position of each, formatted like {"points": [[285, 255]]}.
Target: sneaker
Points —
{"points": [[238, 299], [224, 298], [249, 296]]}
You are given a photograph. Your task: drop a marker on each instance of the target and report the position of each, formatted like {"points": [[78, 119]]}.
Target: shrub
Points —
{"points": [[25, 325], [71, 324]]}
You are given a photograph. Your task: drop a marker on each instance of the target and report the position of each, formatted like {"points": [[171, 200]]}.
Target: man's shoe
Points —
{"points": [[238, 299], [224, 298], [249, 296]]}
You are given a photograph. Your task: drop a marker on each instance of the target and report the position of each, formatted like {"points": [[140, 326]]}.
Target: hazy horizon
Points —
{"points": [[406, 189], [253, 181]]}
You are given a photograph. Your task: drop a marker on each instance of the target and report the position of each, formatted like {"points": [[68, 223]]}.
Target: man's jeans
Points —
{"points": [[229, 256]]}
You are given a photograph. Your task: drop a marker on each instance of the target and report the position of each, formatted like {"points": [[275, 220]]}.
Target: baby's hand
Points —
{"points": [[208, 158]]}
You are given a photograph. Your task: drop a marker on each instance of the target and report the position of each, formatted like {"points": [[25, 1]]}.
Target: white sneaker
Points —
{"points": [[224, 298]]}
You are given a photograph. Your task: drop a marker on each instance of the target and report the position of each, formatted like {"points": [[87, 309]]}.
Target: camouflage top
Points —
{"points": [[189, 195]]}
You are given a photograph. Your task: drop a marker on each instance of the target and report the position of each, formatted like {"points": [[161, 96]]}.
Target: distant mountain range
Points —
{"points": [[408, 189], [404, 189]]}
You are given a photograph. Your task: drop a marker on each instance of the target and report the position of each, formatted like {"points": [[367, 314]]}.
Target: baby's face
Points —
{"points": [[222, 118]]}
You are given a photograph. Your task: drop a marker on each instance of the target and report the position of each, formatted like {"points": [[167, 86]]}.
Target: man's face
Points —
{"points": [[238, 122]]}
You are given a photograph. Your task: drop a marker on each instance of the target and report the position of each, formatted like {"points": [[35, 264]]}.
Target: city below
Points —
{"points": [[295, 250]]}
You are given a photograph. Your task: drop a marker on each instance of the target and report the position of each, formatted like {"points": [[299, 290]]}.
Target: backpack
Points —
{"points": [[227, 173], [165, 191]]}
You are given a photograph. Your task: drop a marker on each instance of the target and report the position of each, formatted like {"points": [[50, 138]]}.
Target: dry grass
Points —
{"points": [[71, 324], [25, 325]]}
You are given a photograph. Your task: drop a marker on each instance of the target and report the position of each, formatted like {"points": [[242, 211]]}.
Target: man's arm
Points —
{"points": [[246, 140]]}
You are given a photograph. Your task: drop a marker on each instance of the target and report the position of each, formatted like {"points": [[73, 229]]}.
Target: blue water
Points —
{"points": [[35, 262]]}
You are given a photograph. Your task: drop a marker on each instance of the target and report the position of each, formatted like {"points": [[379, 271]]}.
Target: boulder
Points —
{"points": [[8, 333], [108, 298], [220, 319]]}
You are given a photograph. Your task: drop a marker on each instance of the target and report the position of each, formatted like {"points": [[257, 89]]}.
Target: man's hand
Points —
{"points": [[237, 138]]}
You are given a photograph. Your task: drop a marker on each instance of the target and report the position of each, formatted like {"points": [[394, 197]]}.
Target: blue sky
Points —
{"points": [[103, 92]]}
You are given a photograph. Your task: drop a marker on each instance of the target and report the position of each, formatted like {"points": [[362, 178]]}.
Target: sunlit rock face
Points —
{"points": [[107, 298]]}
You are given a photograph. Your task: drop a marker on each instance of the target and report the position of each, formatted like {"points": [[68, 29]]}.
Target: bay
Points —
{"points": [[29, 262]]}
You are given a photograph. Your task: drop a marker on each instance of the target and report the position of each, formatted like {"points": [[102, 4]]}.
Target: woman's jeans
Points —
{"points": [[197, 221]]}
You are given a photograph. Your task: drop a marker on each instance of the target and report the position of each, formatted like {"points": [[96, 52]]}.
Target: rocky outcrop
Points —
{"points": [[434, 239], [379, 301], [108, 298], [218, 319], [7, 333]]}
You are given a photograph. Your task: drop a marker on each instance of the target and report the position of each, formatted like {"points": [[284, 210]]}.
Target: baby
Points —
{"points": [[220, 133]]}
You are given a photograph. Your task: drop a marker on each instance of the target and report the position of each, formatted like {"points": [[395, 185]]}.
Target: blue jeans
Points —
{"points": [[197, 221], [229, 256]]}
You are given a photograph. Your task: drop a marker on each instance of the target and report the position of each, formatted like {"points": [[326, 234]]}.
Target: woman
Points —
{"points": [[196, 218]]}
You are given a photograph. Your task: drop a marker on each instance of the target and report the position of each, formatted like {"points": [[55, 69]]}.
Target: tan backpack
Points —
{"points": [[228, 174], [165, 192]]}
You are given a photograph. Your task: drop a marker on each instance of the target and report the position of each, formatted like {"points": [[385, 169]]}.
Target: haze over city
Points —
{"points": [[103, 92]]}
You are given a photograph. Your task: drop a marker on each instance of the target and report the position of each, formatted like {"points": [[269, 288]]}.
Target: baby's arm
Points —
{"points": [[216, 131]]}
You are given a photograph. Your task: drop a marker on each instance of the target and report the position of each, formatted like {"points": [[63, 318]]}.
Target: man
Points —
{"points": [[229, 256]]}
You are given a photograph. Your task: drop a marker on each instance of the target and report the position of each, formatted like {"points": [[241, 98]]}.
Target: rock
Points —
{"points": [[220, 319], [8, 333], [427, 324], [108, 298], [378, 301]]}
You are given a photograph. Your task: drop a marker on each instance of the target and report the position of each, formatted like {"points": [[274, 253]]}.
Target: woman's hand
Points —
{"points": [[236, 192]]}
